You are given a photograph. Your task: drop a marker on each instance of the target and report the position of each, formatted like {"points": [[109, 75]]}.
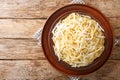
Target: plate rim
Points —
{"points": [[43, 40]]}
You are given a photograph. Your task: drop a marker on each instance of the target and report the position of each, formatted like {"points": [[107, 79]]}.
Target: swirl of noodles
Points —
{"points": [[78, 40]]}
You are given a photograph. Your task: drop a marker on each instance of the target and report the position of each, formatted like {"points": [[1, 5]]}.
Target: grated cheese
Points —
{"points": [[78, 40]]}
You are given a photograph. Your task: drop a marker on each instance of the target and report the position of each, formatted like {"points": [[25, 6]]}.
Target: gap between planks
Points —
{"points": [[42, 18]]}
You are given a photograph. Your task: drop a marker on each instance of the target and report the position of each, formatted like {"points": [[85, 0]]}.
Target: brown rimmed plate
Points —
{"points": [[47, 43]]}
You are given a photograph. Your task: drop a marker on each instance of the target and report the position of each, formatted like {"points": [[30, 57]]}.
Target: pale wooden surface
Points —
{"points": [[20, 56], [41, 70]]}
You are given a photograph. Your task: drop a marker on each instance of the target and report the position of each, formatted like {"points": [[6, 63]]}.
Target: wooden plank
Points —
{"points": [[110, 71], [19, 28], [115, 24], [44, 8], [29, 8], [26, 28], [27, 70], [109, 8], [20, 49], [42, 70], [28, 49]]}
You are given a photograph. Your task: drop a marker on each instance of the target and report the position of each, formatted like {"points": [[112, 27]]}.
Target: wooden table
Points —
{"points": [[20, 56]]}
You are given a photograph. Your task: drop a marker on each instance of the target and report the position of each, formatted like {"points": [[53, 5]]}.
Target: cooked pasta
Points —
{"points": [[78, 40]]}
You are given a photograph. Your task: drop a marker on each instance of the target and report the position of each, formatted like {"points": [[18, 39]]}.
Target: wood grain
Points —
{"points": [[20, 56], [16, 38], [107, 72], [42, 70], [19, 28], [44, 8], [109, 8], [27, 70], [20, 49], [28, 49], [26, 28], [29, 8]]}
